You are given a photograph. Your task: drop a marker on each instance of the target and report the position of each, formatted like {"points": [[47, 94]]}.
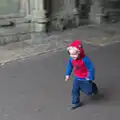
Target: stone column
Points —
{"points": [[38, 15], [70, 6], [96, 12], [24, 8], [72, 10]]}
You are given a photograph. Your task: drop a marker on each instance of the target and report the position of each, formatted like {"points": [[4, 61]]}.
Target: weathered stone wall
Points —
{"points": [[21, 10], [63, 12], [56, 5], [9, 6], [16, 31], [105, 9]]}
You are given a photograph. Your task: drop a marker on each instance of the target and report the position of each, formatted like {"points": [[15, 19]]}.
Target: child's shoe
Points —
{"points": [[74, 106]]}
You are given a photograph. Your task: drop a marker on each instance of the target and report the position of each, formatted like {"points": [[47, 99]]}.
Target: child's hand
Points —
{"points": [[67, 78]]}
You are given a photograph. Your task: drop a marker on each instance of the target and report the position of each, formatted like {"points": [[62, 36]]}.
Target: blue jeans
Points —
{"points": [[88, 87]]}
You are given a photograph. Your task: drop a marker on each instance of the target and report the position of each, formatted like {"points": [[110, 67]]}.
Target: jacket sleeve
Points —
{"points": [[69, 67], [90, 67]]}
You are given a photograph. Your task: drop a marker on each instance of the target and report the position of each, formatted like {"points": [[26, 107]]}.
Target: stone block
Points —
{"points": [[4, 22], [38, 38], [2, 41], [25, 36], [11, 38]]}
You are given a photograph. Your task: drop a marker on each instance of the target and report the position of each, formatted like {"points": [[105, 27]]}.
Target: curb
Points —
{"points": [[28, 56]]}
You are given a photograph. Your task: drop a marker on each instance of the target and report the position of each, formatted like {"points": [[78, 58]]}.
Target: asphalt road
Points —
{"points": [[35, 89]]}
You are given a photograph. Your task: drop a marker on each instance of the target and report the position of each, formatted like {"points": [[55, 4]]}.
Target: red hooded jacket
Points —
{"points": [[83, 67]]}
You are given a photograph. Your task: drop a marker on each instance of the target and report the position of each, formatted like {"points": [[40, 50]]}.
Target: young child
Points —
{"points": [[84, 73]]}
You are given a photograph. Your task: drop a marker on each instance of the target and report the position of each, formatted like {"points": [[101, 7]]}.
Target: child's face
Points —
{"points": [[74, 54]]}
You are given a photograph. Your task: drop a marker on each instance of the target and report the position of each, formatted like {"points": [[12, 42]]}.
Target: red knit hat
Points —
{"points": [[76, 45]]}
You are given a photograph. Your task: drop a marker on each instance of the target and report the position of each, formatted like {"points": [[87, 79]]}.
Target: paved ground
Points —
{"points": [[99, 36], [34, 89]]}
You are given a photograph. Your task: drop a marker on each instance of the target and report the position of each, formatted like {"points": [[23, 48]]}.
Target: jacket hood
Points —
{"points": [[77, 45]]}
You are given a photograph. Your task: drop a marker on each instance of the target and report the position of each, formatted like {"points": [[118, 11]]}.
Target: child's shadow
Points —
{"points": [[102, 97], [97, 97]]}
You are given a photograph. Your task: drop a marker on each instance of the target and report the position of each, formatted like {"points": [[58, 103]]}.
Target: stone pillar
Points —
{"points": [[95, 15], [24, 8], [39, 15], [70, 6], [72, 10]]}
